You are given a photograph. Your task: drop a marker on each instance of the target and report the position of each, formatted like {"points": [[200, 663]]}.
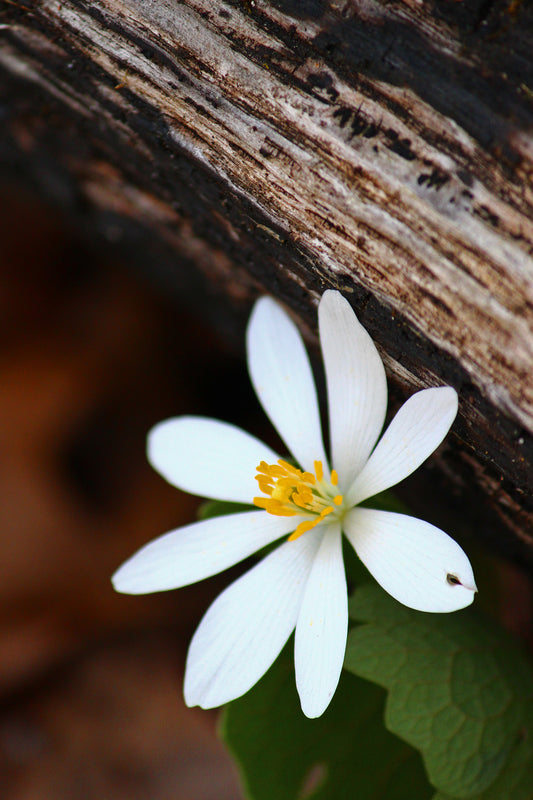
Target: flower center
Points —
{"points": [[291, 492]]}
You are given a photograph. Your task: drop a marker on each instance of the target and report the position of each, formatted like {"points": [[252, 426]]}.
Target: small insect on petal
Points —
{"points": [[453, 580]]}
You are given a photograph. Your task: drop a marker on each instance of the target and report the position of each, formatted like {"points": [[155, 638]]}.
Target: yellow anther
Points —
{"points": [[289, 467], [265, 486], [337, 499], [309, 524], [274, 507], [303, 527], [281, 494], [304, 492], [334, 477], [319, 470]]}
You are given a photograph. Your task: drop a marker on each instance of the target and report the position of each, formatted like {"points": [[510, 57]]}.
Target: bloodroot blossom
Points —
{"points": [[301, 584]]}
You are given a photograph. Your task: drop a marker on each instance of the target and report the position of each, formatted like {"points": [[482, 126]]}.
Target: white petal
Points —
{"points": [[357, 386], [196, 551], [322, 627], [245, 629], [415, 432], [411, 559], [208, 458], [283, 381]]}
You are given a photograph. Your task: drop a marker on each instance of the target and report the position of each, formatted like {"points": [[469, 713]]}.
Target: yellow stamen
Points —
{"points": [[292, 492]]}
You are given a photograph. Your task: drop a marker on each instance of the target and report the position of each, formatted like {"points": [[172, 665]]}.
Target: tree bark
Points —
{"points": [[381, 148]]}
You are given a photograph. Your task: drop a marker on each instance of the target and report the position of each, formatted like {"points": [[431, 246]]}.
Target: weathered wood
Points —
{"points": [[382, 148]]}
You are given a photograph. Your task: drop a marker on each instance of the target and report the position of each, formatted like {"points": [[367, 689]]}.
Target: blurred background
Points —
{"points": [[94, 352], [91, 681]]}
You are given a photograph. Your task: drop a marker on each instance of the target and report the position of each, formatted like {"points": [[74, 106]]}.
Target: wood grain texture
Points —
{"points": [[383, 148]]}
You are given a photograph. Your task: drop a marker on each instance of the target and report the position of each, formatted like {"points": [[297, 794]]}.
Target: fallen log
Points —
{"points": [[384, 149]]}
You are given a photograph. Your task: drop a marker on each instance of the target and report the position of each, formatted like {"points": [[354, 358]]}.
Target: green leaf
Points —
{"points": [[386, 501], [460, 691], [514, 783], [345, 754], [220, 508]]}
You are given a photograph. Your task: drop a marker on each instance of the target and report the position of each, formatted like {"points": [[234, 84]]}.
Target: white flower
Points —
{"points": [[301, 584]]}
